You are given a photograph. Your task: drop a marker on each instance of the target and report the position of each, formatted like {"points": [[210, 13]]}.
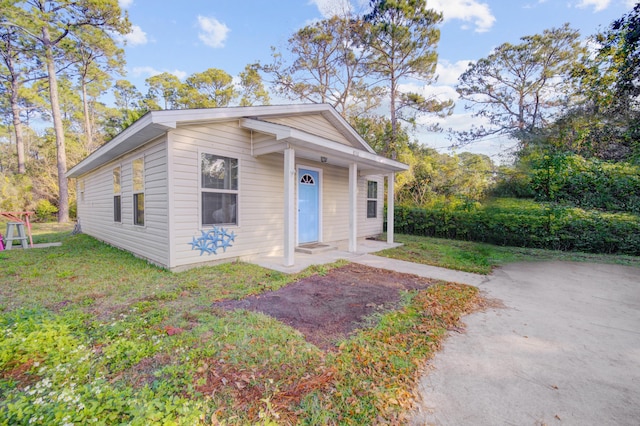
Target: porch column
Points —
{"points": [[353, 207], [289, 205], [391, 178]]}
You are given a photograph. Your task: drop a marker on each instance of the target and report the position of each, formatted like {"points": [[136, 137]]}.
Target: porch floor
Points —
{"points": [[304, 260]]}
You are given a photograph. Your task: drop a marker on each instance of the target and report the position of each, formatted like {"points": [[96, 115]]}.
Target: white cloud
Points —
{"points": [[598, 5], [330, 8], [471, 11], [466, 10], [136, 36], [124, 4], [630, 3], [150, 71], [214, 33], [448, 73]]}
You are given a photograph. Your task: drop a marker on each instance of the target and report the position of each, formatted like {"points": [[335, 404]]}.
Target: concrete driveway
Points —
{"points": [[564, 349]]}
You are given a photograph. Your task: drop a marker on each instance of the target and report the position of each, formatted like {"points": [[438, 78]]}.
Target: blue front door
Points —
{"points": [[308, 206]]}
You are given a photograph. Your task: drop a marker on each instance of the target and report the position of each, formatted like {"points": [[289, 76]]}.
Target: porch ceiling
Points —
{"points": [[313, 147]]}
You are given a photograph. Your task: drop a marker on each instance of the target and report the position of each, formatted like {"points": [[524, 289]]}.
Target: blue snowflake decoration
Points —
{"points": [[210, 241]]}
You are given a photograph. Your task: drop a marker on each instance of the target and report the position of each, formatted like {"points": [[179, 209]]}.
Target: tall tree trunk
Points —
{"points": [[391, 146], [88, 131], [15, 111], [63, 202], [17, 125]]}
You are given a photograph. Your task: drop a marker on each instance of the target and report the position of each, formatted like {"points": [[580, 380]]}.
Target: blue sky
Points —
{"points": [[183, 37]]}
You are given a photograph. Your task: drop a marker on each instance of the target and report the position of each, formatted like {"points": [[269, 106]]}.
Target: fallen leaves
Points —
{"points": [[20, 372], [171, 331], [370, 378], [247, 387], [379, 368]]}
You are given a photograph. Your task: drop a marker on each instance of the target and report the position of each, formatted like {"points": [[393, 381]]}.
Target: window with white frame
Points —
{"points": [[138, 191], [117, 197], [372, 199], [219, 190]]}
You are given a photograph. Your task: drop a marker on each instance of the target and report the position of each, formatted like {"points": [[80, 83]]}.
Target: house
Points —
{"points": [[181, 187]]}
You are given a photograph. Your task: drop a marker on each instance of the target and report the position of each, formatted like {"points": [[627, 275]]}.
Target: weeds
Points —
{"points": [[116, 340]]}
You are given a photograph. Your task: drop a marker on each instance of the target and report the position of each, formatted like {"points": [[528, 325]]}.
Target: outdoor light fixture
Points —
{"points": [[323, 159]]}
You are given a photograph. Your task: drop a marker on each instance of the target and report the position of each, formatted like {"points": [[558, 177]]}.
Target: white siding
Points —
{"points": [[314, 124], [368, 227], [335, 205], [96, 211], [260, 228], [172, 195], [260, 199]]}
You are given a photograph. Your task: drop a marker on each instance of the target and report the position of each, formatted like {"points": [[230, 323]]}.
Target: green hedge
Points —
{"points": [[523, 223], [588, 183]]}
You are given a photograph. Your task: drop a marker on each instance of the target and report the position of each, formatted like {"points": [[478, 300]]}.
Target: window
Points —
{"points": [[219, 187], [372, 199], [117, 205], [117, 209], [138, 191], [307, 179]]}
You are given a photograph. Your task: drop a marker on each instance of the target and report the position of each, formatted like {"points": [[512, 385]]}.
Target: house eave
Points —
{"points": [[317, 146], [157, 123], [139, 133]]}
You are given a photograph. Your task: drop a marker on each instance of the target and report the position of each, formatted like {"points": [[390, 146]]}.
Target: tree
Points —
{"points": [[130, 106], [376, 131], [164, 89], [440, 179], [327, 67], [127, 96], [401, 37], [607, 123], [94, 57], [253, 90], [621, 46], [476, 175], [48, 23], [16, 69], [211, 88], [521, 88]]}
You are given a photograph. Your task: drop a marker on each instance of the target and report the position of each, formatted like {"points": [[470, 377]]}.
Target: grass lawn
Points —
{"points": [[483, 258], [91, 334], [45, 232]]}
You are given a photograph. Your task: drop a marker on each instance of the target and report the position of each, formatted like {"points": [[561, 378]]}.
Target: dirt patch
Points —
{"points": [[327, 308]]}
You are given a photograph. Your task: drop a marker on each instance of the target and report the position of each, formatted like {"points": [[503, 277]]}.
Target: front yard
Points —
{"points": [[91, 334], [482, 258]]}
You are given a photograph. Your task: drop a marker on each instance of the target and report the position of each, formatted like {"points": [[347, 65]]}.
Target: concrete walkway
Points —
{"points": [[564, 350], [303, 260], [420, 270], [364, 257], [561, 347]]}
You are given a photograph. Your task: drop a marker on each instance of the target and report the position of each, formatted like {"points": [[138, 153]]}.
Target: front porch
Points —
{"points": [[295, 145], [304, 260]]}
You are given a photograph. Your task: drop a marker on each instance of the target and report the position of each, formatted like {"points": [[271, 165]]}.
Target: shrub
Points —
{"points": [[513, 183], [45, 211], [15, 192], [525, 223]]}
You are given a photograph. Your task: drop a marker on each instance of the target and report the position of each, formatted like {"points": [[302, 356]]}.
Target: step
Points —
{"points": [[314, 248]]}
